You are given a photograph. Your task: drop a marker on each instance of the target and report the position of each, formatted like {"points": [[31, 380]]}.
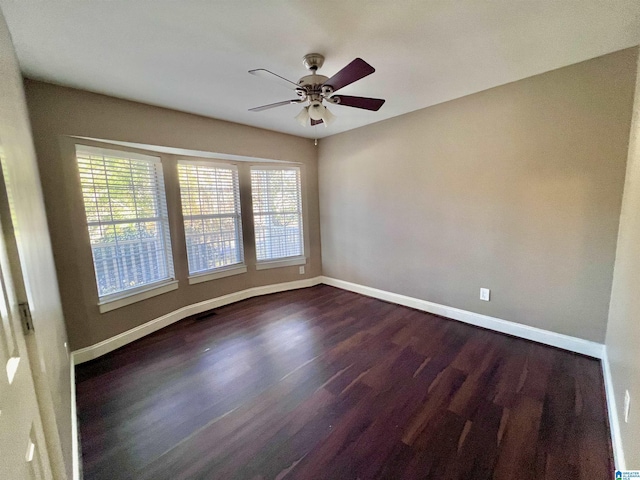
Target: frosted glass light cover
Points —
{"points": [[316, 111], [303, 117], [327, 116]]}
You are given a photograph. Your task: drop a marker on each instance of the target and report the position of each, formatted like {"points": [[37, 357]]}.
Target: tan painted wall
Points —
{"points": [[517, 189], [57, 112], [47, 349], [623, 330]]}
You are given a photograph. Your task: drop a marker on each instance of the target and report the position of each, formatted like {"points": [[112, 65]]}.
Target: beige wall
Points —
{"points": [[48, 355], [517, 189], [623, 330], [58, 112]]}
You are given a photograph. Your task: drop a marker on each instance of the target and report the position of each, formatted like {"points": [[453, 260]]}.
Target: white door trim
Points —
{"points": [[614, 423]]}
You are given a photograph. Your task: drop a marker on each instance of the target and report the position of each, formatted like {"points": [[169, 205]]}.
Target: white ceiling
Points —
{"points": [[194, 55]]}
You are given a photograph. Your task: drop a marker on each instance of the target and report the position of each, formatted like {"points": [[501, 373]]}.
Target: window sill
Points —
{"points": [[221, 273], [137, 296], [281, 262]]}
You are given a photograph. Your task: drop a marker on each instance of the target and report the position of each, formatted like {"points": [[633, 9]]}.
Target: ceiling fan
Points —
{"points": [[315, 89]]}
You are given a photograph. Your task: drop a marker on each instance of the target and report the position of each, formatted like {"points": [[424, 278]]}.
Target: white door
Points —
{"points": [[22, 449]]}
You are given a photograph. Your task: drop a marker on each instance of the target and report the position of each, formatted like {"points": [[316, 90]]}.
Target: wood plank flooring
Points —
{"points": [[320, 383]]}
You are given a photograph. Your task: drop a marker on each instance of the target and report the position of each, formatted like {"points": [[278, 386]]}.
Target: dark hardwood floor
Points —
{"points": [[321, 383]]}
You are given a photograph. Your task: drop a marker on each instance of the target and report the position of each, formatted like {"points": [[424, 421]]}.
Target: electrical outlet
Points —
{"points": [[627, 404], [485, 294], [301, 270]]}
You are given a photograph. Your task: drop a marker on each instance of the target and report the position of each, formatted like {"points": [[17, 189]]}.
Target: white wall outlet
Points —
{"points": [[485, 294], [627, 404], [301, 270]]}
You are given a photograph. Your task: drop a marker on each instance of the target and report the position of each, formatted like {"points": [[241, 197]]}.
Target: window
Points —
{"points": [[126, 212], [277, 212], [211, 209]]}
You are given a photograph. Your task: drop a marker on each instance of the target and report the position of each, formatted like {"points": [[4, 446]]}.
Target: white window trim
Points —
{"points": [[222, 272], [127, 297], [276, 166], [208, 163], [284, 261], [112, 302], [281, 262], [227, 270], [119, 153]]}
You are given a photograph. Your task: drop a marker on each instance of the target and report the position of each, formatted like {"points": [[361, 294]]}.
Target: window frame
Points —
{"points": [[292, 260], [128, 296], [226, 270]]}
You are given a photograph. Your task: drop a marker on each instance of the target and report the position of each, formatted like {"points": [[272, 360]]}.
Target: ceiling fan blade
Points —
{"points": [[261, 72], [273, 105], [359, 102], [315, 122], [351, 73]]}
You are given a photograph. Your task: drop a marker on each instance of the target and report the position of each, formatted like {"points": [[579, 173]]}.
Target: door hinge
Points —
{"points": [[25, 318]]}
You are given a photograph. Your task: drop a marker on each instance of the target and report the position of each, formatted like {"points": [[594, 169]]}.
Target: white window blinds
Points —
{"points": [[211, 209], [277, 212], [126, 210]]}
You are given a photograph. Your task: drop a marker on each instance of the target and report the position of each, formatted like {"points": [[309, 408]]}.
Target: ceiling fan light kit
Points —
{"points": [[303, 117], [314, 89]]}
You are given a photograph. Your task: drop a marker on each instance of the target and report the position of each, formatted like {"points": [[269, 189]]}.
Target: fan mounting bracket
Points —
{"points": [[313, 61]]}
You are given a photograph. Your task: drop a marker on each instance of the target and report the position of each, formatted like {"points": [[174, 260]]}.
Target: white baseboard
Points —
{"points": [[566, 342], [614, 424], [75, 444], [546, 337], [106, 346]]}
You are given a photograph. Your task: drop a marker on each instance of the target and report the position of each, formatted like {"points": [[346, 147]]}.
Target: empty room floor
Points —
{"points": [[321, 383]]}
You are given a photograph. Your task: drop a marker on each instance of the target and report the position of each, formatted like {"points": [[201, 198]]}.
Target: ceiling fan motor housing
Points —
{"points": [[310, 87], [312, 81]]}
